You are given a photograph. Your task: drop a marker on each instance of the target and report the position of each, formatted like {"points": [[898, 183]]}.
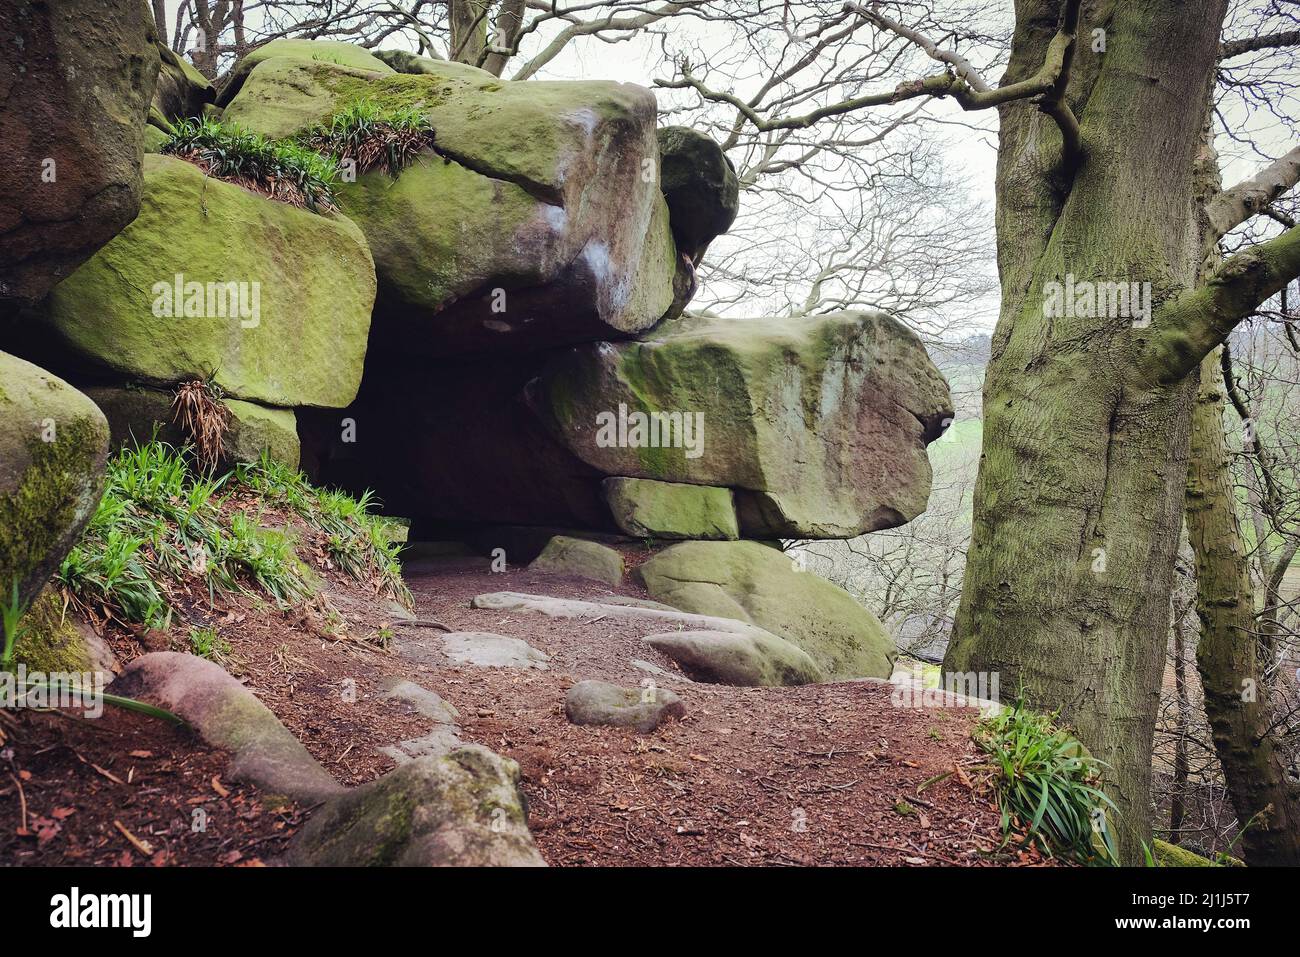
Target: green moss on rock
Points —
{"points": [[307, 283], [53, 446], [650, 509], [49, 641], [750, 582]]}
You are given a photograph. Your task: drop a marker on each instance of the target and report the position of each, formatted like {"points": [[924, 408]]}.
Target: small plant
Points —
{"points": [[206, 643], [372, 137], [197, 408], [1047, 784], [283, 170], [11, 612]]}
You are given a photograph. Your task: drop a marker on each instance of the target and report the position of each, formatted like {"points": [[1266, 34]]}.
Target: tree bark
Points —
{"points": [[1079, 499], [469, 23], [1236, 693]]}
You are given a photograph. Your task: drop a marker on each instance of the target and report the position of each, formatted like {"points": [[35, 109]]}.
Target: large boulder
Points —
{"points": [[53, 446], [700, 186], [820, 423], [755, 583], [75, 86], [461, 810], [800, 428], [538, 221], [313, 51], [273, 301]]}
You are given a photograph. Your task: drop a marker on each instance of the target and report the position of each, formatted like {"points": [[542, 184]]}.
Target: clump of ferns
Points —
{"points": [[372, 137], [200, 412]]}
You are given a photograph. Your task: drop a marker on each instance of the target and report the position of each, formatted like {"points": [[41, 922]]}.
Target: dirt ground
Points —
{"points": [[825, 774]]}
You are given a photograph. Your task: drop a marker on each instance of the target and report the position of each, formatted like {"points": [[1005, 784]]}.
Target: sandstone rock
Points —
{"points": [[575, 556], [441, 739], [74, 92], [309, 51], [532, 225], [461, 810], [757, 584], [137, 414], [486, 650], [181, 91], [53, 446], [291, 331], [599, 702], [52, 638], [574, 608], [228, 715], [752, 658], [649, 509], [700, 185], [820, 424], [254, 428], [403, 61]]}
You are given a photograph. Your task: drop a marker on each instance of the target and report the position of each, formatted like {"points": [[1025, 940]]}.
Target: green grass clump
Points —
{"points": [[284, 170], [359, 541], [159, 521], [372, 136], [206, 643], [1048, 785]]}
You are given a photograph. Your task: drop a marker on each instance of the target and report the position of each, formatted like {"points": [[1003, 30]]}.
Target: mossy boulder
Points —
{"points": [[181, 91], [575, 556], [51, 639], [273, 299], [461, 810], [1171, 855], [700, 185], [753, 583], [536, 219], [53, 446], [649, 509], [74, 96], [749, 658], [820, 423], [255, 428], [311, 51]]}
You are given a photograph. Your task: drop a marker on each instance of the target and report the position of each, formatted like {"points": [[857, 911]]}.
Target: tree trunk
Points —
{"points": [[1236, 694], [469, 23], [1078, 503], [1178, 793]]}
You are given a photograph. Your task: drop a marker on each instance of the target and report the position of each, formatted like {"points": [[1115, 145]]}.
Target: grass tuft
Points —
{"points": [[282, 170], [1047, 785], [197, 408], [159, 524], [372, 137]]}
